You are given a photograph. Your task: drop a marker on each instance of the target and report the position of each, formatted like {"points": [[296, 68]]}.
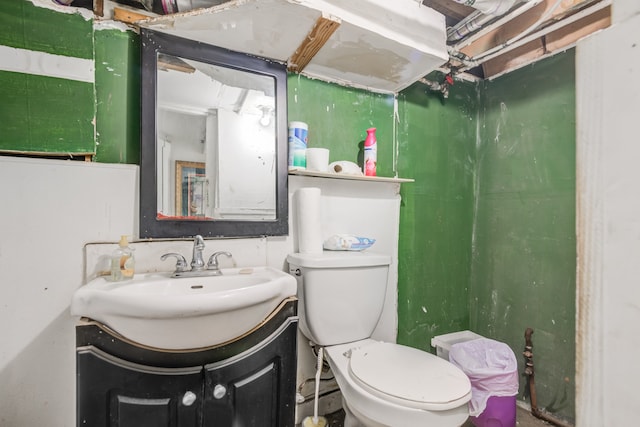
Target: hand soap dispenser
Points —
{"points": [[122, 261]]}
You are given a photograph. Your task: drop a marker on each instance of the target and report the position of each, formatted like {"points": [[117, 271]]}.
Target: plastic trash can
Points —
{"points": [[493, 371]]}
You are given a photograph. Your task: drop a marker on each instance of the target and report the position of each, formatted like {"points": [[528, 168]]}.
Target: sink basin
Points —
{"points": [[158, 311]]}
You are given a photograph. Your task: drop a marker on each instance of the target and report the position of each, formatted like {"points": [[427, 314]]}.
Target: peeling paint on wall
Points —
{"points": [[46, 64], [53, 88]]}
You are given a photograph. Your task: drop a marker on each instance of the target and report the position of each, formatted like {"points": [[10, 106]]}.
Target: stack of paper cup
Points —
{"points": [[309, 228], [318, 159]]}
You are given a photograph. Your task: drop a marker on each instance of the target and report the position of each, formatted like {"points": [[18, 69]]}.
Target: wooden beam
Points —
{"points": [[98, 8], [168, 62], [562, 38], [129, 16], [313, 42], [87, 157], [573, 32], [516, 58], [515, 27]]}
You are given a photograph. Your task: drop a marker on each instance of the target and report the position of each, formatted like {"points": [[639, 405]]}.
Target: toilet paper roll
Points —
{"points": [[309, 228], [346, 168]]}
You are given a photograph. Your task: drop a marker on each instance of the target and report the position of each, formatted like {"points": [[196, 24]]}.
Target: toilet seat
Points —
{"points": [[409, 377]]}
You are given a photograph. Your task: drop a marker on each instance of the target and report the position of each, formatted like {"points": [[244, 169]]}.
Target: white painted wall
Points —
{"points": [[608, 149], [52, 209], [623, 9]]}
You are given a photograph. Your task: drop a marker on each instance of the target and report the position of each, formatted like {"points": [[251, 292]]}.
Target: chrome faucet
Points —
{"points": [[197, 262], [198, 267]]}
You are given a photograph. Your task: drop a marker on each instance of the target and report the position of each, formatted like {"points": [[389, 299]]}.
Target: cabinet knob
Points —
{"points": [[188, 398], [219, 391]]}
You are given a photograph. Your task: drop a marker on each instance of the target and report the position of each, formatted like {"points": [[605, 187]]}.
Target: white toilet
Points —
{"points": [[341, 295]]}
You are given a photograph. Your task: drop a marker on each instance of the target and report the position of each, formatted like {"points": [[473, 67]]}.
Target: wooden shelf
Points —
{"points": [[301, 172]]}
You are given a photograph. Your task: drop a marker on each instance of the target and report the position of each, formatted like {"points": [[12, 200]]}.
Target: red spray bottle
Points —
{"points": [[370, 152]]}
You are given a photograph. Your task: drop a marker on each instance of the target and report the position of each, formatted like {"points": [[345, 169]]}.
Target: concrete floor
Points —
{"points": [[523, 419]]}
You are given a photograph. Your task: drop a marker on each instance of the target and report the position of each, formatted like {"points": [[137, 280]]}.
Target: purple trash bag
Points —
{"points": [[493, 371]]}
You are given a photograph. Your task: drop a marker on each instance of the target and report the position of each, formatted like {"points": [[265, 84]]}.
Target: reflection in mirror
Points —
{"points": [[200, 105], [216, 136]]}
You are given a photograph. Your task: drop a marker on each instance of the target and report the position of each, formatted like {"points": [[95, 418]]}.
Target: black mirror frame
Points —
{"points": [[152, 43]]}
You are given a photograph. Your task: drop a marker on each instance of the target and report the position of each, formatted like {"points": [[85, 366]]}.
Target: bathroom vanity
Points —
{"points": [[248, 381]]}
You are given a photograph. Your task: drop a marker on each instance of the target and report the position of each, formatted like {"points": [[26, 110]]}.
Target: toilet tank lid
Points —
{"points": [[339, 259]]}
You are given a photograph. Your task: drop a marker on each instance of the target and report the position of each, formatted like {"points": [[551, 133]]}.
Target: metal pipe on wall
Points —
{"points": [[529, 372]]}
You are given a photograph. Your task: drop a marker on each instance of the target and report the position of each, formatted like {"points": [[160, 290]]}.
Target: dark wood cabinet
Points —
{"points": [[253, 390], [249, 383], [113, 392]]}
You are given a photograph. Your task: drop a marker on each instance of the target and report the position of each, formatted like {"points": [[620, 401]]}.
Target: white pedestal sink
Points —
{"points": [[185, 313]]}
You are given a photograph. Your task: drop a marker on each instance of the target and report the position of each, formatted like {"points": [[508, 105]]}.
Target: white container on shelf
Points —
{"points": [[443, 343], [298, 138]]}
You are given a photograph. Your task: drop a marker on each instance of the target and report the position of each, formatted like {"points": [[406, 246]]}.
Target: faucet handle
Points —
{"points": [[181, 263], [213, 259]]}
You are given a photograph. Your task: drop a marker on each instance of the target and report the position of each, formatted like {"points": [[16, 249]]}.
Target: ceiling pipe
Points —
{"points": [[442, 87], [486, 24], [490, 14], [472, 23], [486, 11]]}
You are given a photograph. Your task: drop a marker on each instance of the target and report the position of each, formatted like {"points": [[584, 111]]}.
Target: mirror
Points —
{"points": [[213, 141]]}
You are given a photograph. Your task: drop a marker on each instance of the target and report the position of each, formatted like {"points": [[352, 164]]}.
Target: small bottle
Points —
{"points": [[122, 261], [370, 152]]}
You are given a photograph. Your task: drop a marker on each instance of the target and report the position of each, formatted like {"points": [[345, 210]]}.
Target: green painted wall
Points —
{"points": [[25, 26], [58, 116], [338, 118], [45, 114], [524, 253], [487, 231], [40, 113], [437, 140], [117, 59]]}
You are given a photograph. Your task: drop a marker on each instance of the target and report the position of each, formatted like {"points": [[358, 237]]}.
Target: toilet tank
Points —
{"points": [[340, 293]]}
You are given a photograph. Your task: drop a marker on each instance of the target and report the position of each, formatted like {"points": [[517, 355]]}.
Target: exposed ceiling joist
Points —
{"points": [[530, 31], [502, 44], [552, 42], [317, 37]]}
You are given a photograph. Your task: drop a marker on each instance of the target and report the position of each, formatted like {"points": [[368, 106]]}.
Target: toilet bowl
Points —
{"points": [[341, 295], [385, 384]]}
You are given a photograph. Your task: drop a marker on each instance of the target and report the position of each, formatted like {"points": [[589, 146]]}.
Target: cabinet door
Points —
{"points": [[114, 393], [256, 388]]}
